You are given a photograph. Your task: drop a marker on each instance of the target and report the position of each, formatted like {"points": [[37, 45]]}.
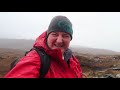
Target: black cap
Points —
{"points": [[62, 24]]}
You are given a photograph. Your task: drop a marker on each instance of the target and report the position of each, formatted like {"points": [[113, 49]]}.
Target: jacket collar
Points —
{"points": [[67, 54]]}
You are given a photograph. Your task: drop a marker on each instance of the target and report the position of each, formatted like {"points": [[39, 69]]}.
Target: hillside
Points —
{"points": [[23, 44], [92, 65], [93, 51], [6, 57]]}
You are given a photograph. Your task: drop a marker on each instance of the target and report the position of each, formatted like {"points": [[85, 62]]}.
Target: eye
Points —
{"points": [[66, 36], [54, 34]]}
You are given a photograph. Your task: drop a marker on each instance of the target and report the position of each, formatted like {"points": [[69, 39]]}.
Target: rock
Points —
{"points": [[108, 76], [118, 76]]}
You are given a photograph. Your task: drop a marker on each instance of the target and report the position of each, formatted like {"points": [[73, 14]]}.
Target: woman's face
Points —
{"points": [[59, 40]]}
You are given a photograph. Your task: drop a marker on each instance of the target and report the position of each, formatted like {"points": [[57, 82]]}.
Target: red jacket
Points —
{"points": [[29, 65]]}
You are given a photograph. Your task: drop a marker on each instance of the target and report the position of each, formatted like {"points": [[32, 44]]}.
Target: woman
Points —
{"points": [[55, 42]]}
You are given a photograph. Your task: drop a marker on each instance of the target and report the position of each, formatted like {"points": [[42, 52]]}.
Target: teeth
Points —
{"points": [[59, 45]]}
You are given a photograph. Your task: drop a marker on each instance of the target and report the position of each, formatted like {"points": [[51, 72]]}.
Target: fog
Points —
{"points": [[91, 29]]}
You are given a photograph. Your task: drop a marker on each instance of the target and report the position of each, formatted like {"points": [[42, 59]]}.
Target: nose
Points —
{"points": [[59, 39]]}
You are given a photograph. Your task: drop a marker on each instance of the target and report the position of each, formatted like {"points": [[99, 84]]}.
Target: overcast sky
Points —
{"points": [[91, 29]]}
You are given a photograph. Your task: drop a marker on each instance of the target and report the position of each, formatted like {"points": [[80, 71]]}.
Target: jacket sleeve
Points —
{"points": [[27, 67]]}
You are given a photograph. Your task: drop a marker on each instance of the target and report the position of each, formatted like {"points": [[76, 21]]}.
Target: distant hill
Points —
{"points": [[94, 51], [23, 44]]}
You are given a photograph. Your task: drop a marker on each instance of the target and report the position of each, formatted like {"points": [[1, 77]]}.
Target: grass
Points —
{"points": [[92, 66]]}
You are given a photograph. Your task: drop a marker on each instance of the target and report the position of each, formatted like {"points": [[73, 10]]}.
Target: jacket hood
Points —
{"points": [[40, 42]]}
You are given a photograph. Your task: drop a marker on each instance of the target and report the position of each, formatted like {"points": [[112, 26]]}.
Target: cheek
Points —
{"points": [[67, 44], [50, 42]]}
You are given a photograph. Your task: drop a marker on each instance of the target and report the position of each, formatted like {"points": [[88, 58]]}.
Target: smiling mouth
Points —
{"points": [[58, 46]]}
